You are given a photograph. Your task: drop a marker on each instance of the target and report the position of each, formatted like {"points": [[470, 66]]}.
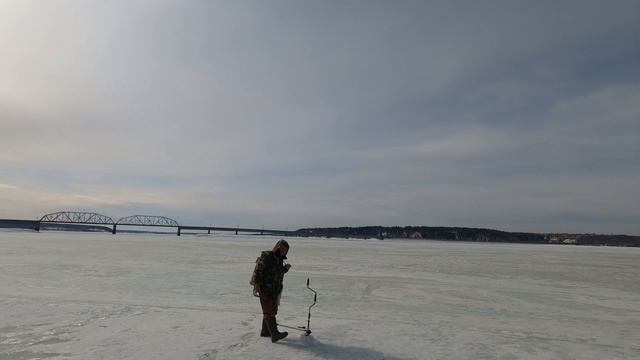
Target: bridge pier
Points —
{"points": [[179, 229], [114, 229], [209, 231], [37, 227]]}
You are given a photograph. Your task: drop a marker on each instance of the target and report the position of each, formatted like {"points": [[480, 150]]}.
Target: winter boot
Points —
{"points": [[265, 330], [273, 329]]}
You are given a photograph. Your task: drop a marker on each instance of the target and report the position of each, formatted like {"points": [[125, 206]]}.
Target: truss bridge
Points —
{"points": [[78, 217], [74, 217]]}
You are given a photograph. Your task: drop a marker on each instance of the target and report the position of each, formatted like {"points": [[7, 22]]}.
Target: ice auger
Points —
{"points": [[306, 329]]}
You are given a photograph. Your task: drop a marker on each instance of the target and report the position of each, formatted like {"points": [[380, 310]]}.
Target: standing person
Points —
{"points": [[267, 283]]}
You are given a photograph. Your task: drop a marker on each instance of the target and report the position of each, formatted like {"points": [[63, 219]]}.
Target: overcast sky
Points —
{"points": [[516, 115]]}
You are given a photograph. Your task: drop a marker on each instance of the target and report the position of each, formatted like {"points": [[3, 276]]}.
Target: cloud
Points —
{"points": [[8, 187], [329, 114]]}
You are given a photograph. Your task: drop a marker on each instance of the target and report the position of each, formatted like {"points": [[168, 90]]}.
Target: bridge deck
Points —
{"points": [[35, 225], [216, 228]]}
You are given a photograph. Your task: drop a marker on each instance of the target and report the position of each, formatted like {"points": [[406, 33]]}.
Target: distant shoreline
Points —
{"points": [[392, 232], [440, 233]]}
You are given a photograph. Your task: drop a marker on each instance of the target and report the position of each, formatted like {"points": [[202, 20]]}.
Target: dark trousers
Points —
{"points": [[269, 306]]}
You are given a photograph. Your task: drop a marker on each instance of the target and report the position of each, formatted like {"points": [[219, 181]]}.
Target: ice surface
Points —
{"points": [[70, 295]]}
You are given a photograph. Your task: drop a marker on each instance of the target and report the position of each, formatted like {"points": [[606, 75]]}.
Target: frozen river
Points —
{"points": [[100, 296]]}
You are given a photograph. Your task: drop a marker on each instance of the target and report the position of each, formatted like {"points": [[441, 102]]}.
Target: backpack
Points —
{"points": [[259, 264]]}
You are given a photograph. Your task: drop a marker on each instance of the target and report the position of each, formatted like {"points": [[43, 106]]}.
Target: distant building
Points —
{"points": [[554, 240]]}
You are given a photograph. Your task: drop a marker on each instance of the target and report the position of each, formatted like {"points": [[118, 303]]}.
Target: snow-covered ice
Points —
{"points": [[66, 295]]}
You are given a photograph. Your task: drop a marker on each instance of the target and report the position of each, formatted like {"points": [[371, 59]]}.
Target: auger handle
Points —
{"points": [[315, 297]]}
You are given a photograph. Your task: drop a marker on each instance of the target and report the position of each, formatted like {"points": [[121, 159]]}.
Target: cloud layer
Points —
{"points": [[512, 115]]}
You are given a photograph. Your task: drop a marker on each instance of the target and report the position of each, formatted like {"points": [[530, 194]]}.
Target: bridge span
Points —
{"points": [[235, 230], [79, 217]]}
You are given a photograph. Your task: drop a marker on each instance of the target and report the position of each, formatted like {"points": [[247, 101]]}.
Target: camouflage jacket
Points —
{"points": [[269, 273]]}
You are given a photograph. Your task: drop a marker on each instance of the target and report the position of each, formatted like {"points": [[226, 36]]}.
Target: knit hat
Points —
{"points": [[282, 243]]}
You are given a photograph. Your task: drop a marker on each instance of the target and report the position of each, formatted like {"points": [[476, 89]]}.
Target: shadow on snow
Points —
{"points": [[331, 351]]}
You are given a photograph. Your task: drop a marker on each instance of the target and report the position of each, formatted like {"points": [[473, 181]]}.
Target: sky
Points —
{"points": [[514, 115]]}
